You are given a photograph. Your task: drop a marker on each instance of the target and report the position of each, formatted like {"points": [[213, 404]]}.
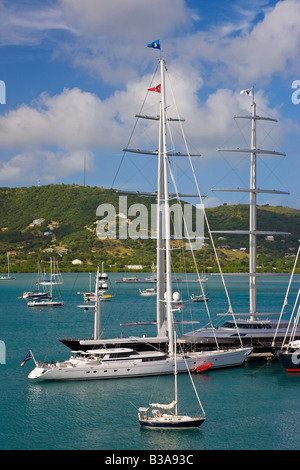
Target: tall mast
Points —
{"points": [[167, 234], [97, 308], [253, 190], [163, 322], [7, 265], [252, 217], [51, 280], [175, 378], [160, 271]]}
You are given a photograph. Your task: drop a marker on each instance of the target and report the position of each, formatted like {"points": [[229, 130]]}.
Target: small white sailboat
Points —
{"points": [[55, 274], [150, 292], [37, 293], [199, 298], [166, 416], [46, 301], [8, 276]]}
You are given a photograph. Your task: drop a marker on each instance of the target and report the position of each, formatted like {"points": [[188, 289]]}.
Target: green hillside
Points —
{"points": [[60, 221]]}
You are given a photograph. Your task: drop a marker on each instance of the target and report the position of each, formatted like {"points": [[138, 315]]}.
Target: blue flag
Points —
{"points": [[27, 358], [154, 44]]}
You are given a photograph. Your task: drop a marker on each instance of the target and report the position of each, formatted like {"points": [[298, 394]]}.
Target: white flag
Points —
{"points": [[246, 92]]}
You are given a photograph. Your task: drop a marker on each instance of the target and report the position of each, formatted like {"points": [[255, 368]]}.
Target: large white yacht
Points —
{"points": [[125, 362]]}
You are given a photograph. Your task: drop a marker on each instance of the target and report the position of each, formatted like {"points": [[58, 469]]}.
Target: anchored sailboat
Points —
{"points": [[36, 293], [55, 274], [46, 301], [8, 276], [166, 416]]}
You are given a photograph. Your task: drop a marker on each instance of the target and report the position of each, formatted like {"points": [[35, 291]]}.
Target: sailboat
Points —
{"points": [[199, 298], [36, 293], [143, 355], [149, 292], [254, 330], [55, 274], [7, 277], [166, 416], [46, 301]]}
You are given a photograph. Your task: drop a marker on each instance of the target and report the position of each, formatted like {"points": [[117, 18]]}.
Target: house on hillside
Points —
{"points": [[38, 221]]}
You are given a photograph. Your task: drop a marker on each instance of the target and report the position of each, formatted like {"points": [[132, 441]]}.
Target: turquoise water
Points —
{"points": [[255, 406]]}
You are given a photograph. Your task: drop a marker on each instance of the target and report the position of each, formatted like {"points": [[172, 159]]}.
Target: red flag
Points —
{"points": [[155, 88]]}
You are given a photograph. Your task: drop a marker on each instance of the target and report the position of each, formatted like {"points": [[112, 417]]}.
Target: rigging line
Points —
{"points": [[138, 171], [296, 321], [133, 404], [285, 301], [263, 126], [133, 130], [208, 227], [191, 378], [59, 323], [272, 171], [193, 256]]}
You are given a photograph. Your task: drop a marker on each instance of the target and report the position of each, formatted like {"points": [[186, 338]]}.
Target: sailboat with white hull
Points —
{"points": [[253, 330], [97, 357], [46, 300], [166, 416], [8, 276]]}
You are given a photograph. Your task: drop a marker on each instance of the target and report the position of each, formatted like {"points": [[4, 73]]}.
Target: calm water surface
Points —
{"points": [[255, 406]]}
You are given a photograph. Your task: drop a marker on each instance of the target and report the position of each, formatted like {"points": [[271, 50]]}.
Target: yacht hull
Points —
{"points": [[138, 368], [173, 422], [260, 338]]}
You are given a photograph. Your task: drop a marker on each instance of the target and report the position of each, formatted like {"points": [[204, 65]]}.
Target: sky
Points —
{"points": [[76, 73]]}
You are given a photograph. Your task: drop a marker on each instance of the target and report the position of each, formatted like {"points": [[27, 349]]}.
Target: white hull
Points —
{"points": [[47, 283], [45, 303], [92, 369]]}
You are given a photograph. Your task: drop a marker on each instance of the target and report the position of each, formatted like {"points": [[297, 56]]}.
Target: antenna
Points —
{"points": [[84, 170]]}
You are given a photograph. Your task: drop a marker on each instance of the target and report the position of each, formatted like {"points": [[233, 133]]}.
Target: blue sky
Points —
{"points": [[76, 72]]}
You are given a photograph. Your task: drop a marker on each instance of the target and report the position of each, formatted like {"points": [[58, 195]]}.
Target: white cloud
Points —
{"points": [[70, 120], [253, 54], [107, 39], [31, 165], [29, 25]]}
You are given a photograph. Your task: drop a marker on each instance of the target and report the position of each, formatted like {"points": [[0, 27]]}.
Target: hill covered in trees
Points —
{"points": [[61, 221]]}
